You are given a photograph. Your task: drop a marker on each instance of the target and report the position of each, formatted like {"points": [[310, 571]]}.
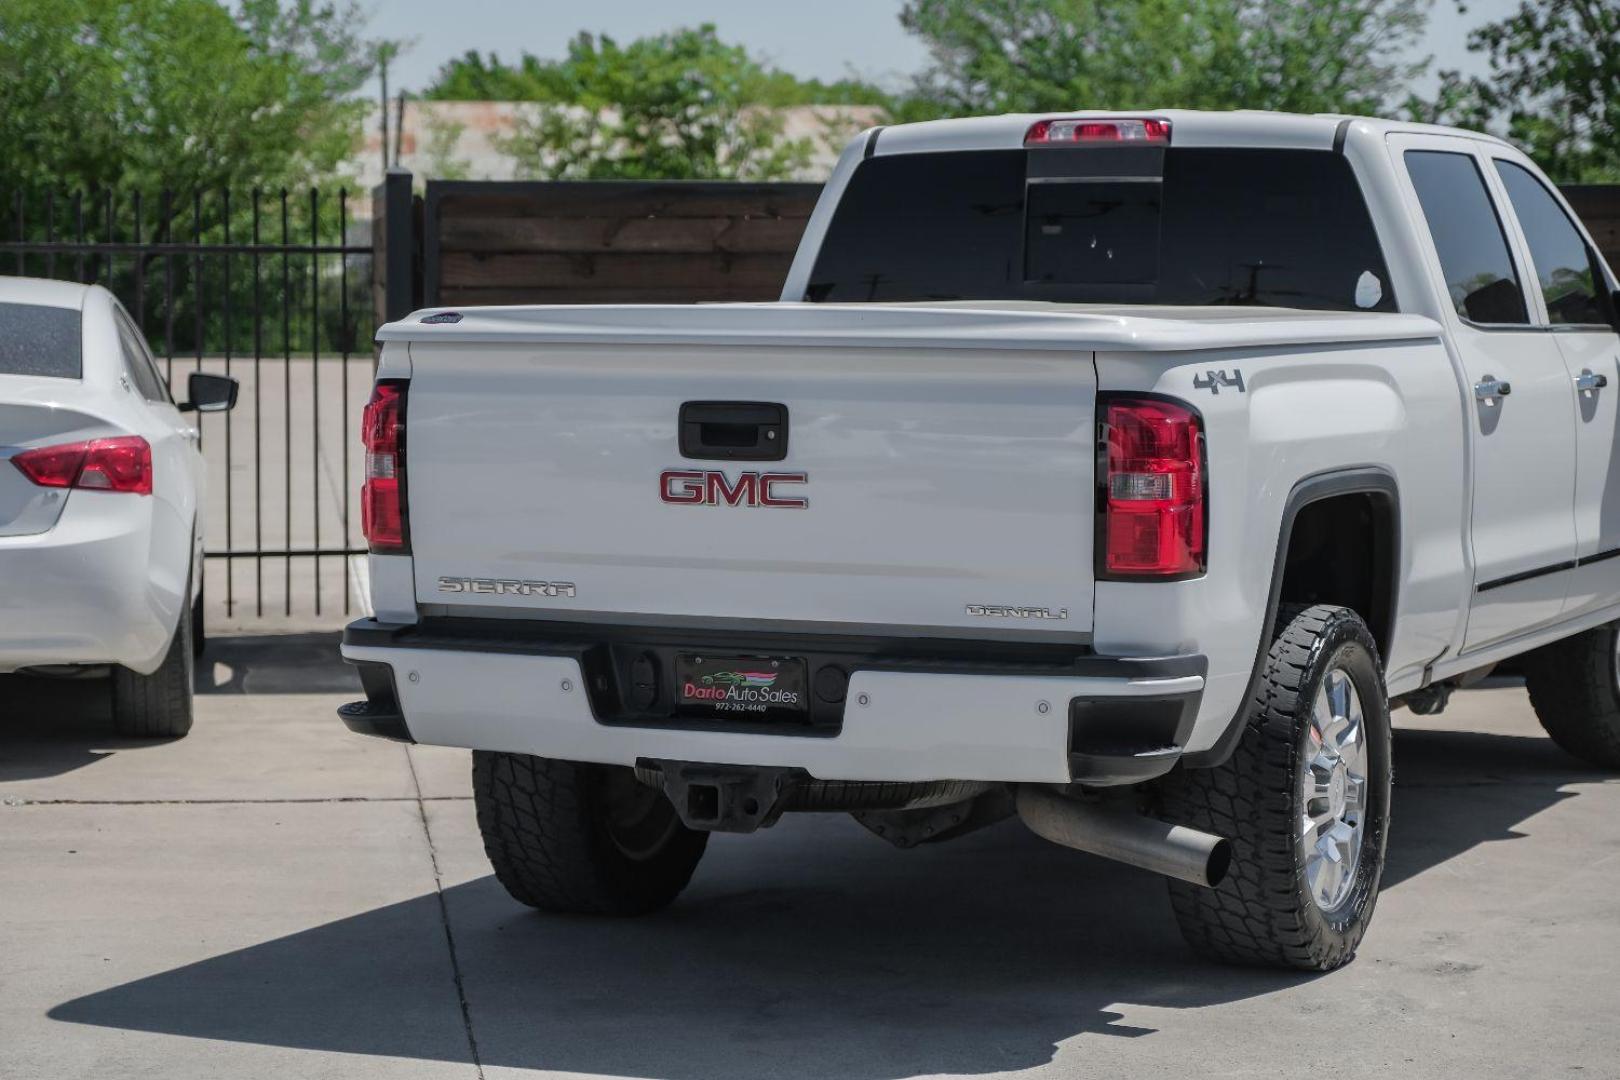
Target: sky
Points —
{"points": [[826, 39]]}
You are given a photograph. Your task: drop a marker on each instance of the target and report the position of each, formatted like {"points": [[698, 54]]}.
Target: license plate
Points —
{"points": [[740, 687]]}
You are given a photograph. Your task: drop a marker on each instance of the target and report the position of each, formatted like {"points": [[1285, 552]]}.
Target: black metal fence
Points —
{"points": [[273, 288]]}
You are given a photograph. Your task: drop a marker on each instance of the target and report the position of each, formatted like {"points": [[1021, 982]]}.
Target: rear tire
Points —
{"points": [[1305, 800], [565, 836], [157, 706], [199, 636], [1574, 687]]}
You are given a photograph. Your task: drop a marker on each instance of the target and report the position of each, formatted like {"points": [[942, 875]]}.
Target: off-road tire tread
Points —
{"points": [[1572, 688], [159, 705], [1254, 916], [549, 850], [199, 633]]}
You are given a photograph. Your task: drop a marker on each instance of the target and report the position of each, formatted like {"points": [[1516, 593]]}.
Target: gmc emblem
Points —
{"points": [[708, 487]]}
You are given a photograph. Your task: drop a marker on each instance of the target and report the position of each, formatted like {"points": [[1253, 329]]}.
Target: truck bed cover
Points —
{"points": [[944, 325]]}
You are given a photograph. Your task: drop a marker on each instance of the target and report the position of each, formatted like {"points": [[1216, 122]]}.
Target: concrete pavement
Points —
{"points": [[272, 896]]}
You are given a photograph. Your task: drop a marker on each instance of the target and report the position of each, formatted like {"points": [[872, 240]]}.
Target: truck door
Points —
{"points": [[1572, 296], [1522, 404]]}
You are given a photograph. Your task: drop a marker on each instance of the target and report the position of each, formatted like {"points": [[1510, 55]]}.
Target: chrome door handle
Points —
{"points": [[1588, 380], [1490, 387]]}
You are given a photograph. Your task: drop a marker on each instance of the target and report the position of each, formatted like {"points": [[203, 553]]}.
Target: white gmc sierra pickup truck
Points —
{"points": [[1119, 472]]}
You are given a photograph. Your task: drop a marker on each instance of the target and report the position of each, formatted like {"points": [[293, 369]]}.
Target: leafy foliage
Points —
{"points": [[673, 106], [1553, 86], [473, 77], [440, 135], [161, 120], [177, 93], [1040, 55], [477, 77]]}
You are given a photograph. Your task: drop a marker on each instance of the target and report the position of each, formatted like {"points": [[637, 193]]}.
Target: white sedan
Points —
{"points": [[100, 496]]}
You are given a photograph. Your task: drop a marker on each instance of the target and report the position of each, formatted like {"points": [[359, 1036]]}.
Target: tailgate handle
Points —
{"points": [[734, 430]]}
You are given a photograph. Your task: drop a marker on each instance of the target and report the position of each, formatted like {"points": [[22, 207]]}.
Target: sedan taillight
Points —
{"points": [[122, 463], [1152, 490], [383, 517]]}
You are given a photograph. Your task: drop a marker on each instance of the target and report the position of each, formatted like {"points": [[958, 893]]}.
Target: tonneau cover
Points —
{"points": [[957, 325]]}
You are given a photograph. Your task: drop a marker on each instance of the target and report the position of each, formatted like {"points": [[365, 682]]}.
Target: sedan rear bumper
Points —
{"points": [[87, 591]]}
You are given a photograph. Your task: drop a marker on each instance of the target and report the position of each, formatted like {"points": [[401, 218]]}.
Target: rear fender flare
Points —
{"points": [[1374, 480]]}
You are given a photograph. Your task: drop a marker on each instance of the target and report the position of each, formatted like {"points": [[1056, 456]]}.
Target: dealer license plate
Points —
{"points": [[741, 687]]}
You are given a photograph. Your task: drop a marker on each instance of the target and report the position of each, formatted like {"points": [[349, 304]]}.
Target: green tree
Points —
{"points": [[475, 76], [1553, 86], [674, 106], [1045, 55], [177, 93], [439, 138], [160, 119]]}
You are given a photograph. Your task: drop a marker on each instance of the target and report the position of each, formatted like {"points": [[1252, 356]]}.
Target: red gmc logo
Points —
{"points": [[707, 487]]}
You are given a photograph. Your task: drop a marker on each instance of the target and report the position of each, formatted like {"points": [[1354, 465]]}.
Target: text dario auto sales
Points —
{"points": [[748, 694]]}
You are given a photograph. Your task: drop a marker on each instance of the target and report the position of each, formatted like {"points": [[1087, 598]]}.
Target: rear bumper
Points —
{"points": [[87, 591], [910, 710]]}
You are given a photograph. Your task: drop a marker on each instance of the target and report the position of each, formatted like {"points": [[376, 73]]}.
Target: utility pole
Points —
{"points": [[382, 69], [399, 127], [386, 51]]}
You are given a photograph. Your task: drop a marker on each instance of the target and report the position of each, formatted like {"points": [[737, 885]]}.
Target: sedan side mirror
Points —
{"points": [[209, 393]]}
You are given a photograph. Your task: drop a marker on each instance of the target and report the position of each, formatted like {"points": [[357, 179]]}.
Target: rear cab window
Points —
{"points": [[38, 340], [1192, 226], [1571, 278], [1468, 237]]}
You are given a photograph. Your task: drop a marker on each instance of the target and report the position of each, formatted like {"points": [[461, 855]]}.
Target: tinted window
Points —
{"points": [[926, 227], [1279, 227], [1563, 263], [135, 367], [1092, 232], [1468, 237], [138, 361], [38, 340]]}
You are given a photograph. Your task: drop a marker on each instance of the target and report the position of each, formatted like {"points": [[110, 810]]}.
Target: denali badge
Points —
{"points": [[710, 487], [1004, 611], [505, 586]]}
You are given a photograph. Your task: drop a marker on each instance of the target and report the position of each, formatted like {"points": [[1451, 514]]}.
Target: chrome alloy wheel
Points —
{"points": [[1333, 792]]}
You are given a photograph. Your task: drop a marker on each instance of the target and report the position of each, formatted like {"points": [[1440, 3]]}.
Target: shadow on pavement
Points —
{"points": [[53, 726], [1455, 790], [814, 952], [897, 966], [49, 727], [279, 664]]}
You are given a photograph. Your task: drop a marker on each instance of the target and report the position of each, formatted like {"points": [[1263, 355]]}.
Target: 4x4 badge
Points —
{"points": [[1214, 380]]}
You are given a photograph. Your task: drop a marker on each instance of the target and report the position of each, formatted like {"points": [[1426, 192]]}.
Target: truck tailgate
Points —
{"points": [[942, 489]]}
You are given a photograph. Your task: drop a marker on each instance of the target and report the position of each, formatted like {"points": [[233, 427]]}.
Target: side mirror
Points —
{"points": [[209, 393]]}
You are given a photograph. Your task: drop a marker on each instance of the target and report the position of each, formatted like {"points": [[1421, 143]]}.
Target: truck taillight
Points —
{"points": [[383, 517], [122, 463], [1152, 491], [1069, 132]]}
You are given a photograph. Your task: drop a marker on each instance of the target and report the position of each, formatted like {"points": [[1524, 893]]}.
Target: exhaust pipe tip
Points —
{"points": [[1220, 861], [1176, 851]]}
